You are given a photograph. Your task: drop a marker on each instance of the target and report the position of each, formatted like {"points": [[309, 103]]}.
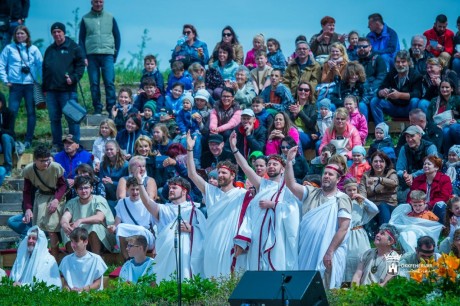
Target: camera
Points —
{"points": [[25, 69]]}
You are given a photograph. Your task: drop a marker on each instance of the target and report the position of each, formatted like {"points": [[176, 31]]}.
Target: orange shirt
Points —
{"points": [[427, 215]]}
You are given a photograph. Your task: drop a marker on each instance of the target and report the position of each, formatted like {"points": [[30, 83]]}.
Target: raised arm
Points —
{"points": [[242, 162], [289, 178], [192, 174], [149, 204]]}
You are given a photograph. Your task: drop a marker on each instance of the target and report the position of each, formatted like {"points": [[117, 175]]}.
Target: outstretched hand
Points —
{"points": [[190, 141], [137, 174], [292, 153], [232, 141]]}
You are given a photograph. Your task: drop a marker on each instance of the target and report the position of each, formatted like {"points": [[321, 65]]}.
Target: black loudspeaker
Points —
{"points": [[300, 288]]}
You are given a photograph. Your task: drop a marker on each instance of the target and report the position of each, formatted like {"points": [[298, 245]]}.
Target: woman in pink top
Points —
{"points": [[342, 134], [226, 114], [282, 126]]}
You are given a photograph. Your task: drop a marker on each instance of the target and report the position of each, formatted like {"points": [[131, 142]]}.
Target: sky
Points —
{"points": [[283, 20]]}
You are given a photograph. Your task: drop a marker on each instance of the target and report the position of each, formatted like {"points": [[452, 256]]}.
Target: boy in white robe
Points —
{"points": [[140, 265], [34, 261], [82, 270]]}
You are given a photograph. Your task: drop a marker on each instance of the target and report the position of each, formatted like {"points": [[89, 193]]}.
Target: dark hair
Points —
{"points": [[327, 19], [81, 180], [376, 17], [353, 32], [441, 18], [449, 214], [177, 66], [382, 155], [310, 97], [132, 181], [127, 90], [425, 241], [149, 81], [234, 37], [41, 151], [228, 164], [191, 27], [313, 178], [80, 233], [354, 67], [181, 85], [25, 29], [290, 141], [176, 149], [140, 240], [300, 38], [229, 49], [329, 148], [258, 99], [452, 83], [287, 123], [150, 57], [85, 168], [275, 42], [364, 39], [229, 90], [177, 180]]}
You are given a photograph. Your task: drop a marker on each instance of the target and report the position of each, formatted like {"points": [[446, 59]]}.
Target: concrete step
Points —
{"points": [[16, 184], [8, 234], [10, 197], [396, 127], [87, 143], [93, 120], [16, 207], [87, 131], [4, 216]]}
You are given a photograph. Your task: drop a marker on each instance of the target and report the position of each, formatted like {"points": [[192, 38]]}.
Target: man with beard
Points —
{"points": [[418, 53], [192, 226], [325, 223], [225, 205], [34, 263], [270, 226], [439, 38], [400, 91], [376, 70]]}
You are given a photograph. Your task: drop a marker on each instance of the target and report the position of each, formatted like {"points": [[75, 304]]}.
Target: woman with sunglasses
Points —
{"points": [[228, 36], [189, 49], [304, 114]]}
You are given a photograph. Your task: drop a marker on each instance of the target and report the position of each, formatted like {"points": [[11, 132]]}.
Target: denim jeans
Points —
{"points": [[305, 141], [7, 147], [102, 64], [26, 91], [456, 65], [2, 174], [16, 224], [385, 211], [450, 137], [55, 101], [380, 106]]}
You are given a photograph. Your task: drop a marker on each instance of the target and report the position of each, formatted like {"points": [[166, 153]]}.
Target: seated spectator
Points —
{"points": [[258, 43], [216, 153], [139, 265], [148, 118], [324, 122], [456, 55], [352, 48], [261, 74], [203, 111], [321, 43], [72, 156], [107, 131], [436, 184], [439, 38], [358, 120], [382, 141], [360, 164], [335, 64], [149, 93], [113, 167], [424, 252], [151, 71], [372, 267], [244, 90], [400, 91], [277, 96], [380, 185], [455, 246], [446, 103], [228, 36], [161, 139], [318, 163], [276, 58], [226, 114], [384, 40], [342, 134], [153, 163], [418, 53], [419, 206], [91, 212], [258, 162], [82, 270], [225, 64], [341, 162], [189, 49], [352, 83], [123, 108], [149, 183], [299, 164], [282, 127], [7, 135], [251, 135], [34, 263], [173, 101], [303, 68], [127, 137], [264, 117], [132, 218], [98, 186], [304, 115], [452, 168]]}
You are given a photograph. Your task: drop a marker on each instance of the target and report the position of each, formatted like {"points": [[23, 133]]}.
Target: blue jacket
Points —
{"points": [[174, 105], [11, 63], [185, 79], [186, 50], [185, 121], [126, 140], [228, 71], [265, 118], [71, 163], [385, 43], [281, 91], [277, 60], [157, 76]]}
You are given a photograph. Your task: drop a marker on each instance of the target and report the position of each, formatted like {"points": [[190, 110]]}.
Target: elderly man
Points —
{"points": [[418, 53], [373, 268], [439, 38], [100, 40], [384, 40], [425, 250], [303, 69], [217, 153], [400, 91], [63, 67], [34, 263], [271, 225], [325, 223]]}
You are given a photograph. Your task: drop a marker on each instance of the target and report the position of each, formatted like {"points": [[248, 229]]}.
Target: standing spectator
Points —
{"points": [[439, 38], [63, 67], [6, 137], [384, 40], [100, 40], [14, 13], [20, 64], [189, 49]]}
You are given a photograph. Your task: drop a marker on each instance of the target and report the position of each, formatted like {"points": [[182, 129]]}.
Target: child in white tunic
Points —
{"points": [[139, 265]]}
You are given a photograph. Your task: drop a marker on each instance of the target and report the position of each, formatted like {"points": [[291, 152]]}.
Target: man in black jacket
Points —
{"points": [[7, 135], [12, 14], [63, 67], [216, 153]]}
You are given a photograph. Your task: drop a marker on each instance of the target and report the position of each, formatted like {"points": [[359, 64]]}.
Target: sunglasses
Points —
{"points": [[304, 89], [226, 34], [362, 46], [187, 32], [285, 147]]}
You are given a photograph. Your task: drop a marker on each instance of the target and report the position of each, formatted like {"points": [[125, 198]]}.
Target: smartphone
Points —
{"points": [[434, 43]]}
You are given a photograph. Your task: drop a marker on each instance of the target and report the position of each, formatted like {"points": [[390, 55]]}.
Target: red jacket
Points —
{"points": [[441, 188], [446, 40]]}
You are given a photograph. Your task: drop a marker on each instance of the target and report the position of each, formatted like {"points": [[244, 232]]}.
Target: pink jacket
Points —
{"points": [[234, 121], [274, 145], [251, 58], [360, 123], [350, 132]]}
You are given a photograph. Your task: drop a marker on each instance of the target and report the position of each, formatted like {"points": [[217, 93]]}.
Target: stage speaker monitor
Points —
{"points": [[301, 288]]}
